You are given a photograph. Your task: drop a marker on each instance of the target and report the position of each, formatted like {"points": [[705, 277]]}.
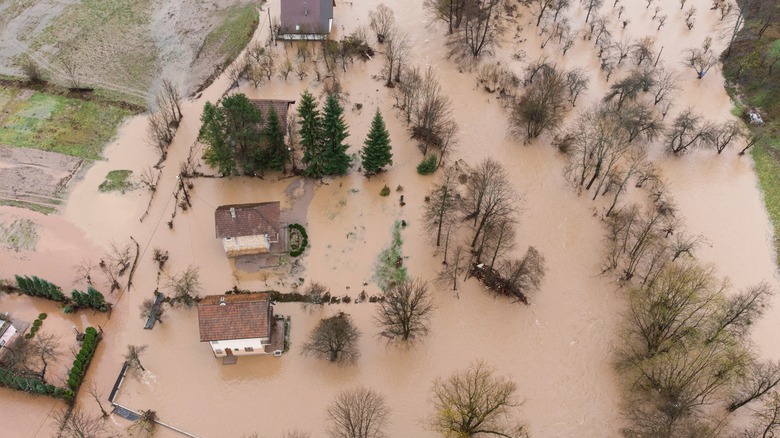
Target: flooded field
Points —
{"points": [[558, 349]]}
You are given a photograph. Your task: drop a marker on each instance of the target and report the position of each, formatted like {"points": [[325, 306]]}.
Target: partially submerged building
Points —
{"points": [[306, 19], [247, 229], [9, 333], [282, 108], [240, 325]]}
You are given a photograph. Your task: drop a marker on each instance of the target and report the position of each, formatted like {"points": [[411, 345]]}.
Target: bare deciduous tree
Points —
{"points": [[453, 268], [406, 311], [145, 425], [357, 413], [149, 311], [475, 402], [758, 380], [524, 274], [490, 197], [644, 49], [448, 11], [396, 48], [185, 287], [78, 424], [443, 203], [93, 391], [482, 26], [539, 8], [688, 131], [542, 105], [739, 312], [722, 135], [133, 356], [432, 119], [701, 60], [335, 339], [382, 21], [591, 5]]}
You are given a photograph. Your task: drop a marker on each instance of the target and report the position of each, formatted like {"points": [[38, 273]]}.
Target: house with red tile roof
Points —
{"points": [[306, 19], [280, 106], [248, 229], [240, 324]]}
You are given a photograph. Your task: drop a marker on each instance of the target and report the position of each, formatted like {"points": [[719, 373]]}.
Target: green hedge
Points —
{"points": [[83, 358], [304, 240], [37, 287], [92, 298], [33, 385]]}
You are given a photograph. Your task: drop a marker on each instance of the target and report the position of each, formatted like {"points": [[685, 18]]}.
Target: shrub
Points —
{"points": [[295, 252], [67, 309], [42, 316], [37, 323], [428, 165], [385, 191], [32, 385], [83, 358]]}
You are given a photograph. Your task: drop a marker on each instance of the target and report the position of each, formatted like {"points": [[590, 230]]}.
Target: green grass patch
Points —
{"points": [[238, 25], [45, 209], [117, 180], [57, 123], [767, 159], [390, 269], [19, 235]]}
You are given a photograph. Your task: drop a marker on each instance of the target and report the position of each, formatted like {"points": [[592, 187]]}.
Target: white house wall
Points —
{"points": [[238, 346]]}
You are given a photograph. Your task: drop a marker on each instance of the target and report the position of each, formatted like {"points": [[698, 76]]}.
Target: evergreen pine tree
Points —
{"points": [[310, 135], [276, 150], [334, 132], [229, 131], [376, 150]]}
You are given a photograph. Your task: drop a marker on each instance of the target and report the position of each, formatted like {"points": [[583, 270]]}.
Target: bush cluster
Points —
{"points": [[33, 385], [295, 252], [37, 287], [83, 358], [428, 165], [90, 299]]}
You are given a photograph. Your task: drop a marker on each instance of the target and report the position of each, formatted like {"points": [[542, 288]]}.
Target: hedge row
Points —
{"points": [[89, 299], [38, 287], [304, 239], [33, 385], [83, 358]]}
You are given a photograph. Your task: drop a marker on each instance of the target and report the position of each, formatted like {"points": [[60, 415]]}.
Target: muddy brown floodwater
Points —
{"points": [[558, 350]]}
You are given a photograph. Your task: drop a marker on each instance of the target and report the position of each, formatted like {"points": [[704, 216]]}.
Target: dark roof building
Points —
{"points": [[234, 316], [247, 220], [282, 108], [306, 19]]}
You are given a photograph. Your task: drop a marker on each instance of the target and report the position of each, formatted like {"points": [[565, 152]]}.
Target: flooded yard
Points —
{"points": [[558, 350]]}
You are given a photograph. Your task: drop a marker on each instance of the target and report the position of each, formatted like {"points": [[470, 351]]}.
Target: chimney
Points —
{"points": [[221, 301], [232, 212], [305, 9]]}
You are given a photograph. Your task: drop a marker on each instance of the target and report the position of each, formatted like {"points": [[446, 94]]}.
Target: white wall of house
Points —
{"points": [[239, 346], [246, 245]]}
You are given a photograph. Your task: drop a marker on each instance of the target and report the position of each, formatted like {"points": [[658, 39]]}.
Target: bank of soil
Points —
{"points": [[558, 350]]}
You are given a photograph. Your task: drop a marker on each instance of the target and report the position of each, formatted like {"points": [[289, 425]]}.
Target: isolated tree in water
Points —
{"points": [[334, 132], [229, 131], [310, 134], [376, 152], [335, 339], [274, 135]]}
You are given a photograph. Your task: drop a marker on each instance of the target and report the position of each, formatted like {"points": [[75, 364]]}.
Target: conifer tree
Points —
{"points": [[334, 132], [376, 152], [310, 135], [230, 133], [276, 150]]}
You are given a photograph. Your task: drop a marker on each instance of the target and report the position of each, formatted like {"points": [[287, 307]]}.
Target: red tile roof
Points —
{"points": [[243, 316], [250, 220], [281, 106]]}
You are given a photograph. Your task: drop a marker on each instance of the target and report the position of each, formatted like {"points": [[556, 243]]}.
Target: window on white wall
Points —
{"points": [[249, 349], [218, 351]]}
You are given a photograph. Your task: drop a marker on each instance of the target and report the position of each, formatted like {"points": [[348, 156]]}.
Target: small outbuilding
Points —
{"points": [[240, 325], [306, 19], [247, 229], [9, 333]]}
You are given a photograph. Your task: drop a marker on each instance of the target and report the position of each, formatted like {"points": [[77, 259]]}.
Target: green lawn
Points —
{"points": [[767, 158], [117, 180], [238, 25], [57, 123]]}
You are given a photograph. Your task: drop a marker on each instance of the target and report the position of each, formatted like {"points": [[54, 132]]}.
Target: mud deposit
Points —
{"points": [[558, 350]]}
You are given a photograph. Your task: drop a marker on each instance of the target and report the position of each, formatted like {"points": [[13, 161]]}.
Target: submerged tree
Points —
{"points": [[334, 339], [543, 104], [475, 402], [133, 356], [357, 413], [376, 152], [490, 197], [382, 20], [483, 23], [78, 424], [185, 287], [405, 312], [277, 151]]}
